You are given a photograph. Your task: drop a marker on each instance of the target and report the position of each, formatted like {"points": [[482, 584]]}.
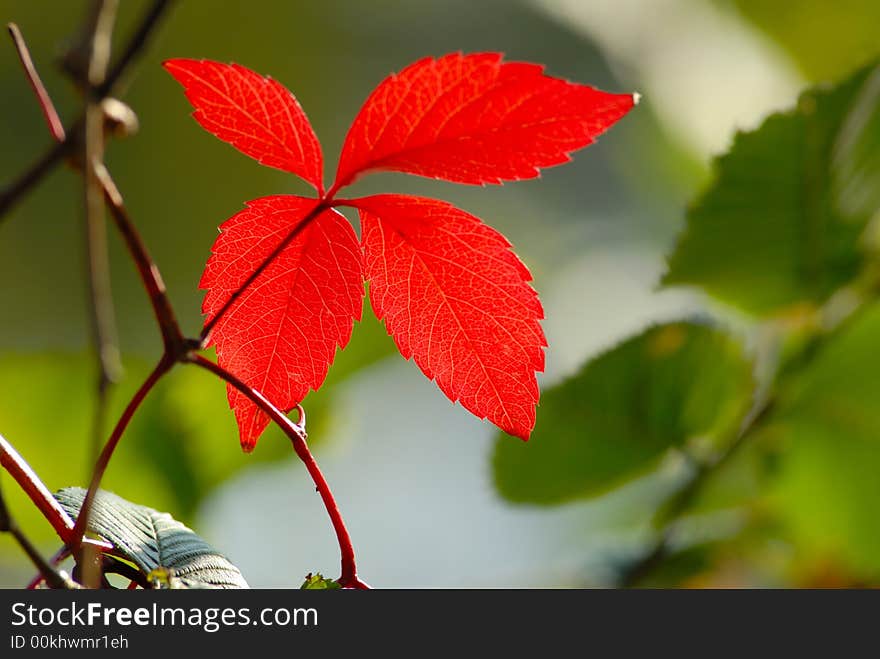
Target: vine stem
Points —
{"points": [[297, 436], [82, 520]]}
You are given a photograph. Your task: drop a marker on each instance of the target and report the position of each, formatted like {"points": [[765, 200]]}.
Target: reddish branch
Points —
{"points": [[149, 272], [82, 519], [297, 436], [56, 128]]}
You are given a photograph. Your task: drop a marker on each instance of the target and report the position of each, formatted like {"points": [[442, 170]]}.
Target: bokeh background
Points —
{"points": [[413, 474]]}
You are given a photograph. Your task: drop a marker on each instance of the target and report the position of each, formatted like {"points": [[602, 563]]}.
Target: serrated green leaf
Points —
{"points": [[623, 411], [154, 541], [769, 232]]}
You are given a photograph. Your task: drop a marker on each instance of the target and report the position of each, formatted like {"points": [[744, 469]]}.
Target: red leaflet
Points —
{"points": [[256, 115], [456, 299], [452, 294], [281, 335], [474, 119]]}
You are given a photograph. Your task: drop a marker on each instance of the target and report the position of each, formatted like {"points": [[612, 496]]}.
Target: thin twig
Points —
{"points": [[62, 146], [103, 323], [56, 128], [96, 47], [48, 572], [149, 272], [175, 345], [111, 565], [297, 436], [82, 520], [16, 190], [103, 317]]}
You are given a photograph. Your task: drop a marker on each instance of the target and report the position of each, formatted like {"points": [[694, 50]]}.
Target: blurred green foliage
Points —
{"points": [[785, 231], [624, 410], [768, 233]]}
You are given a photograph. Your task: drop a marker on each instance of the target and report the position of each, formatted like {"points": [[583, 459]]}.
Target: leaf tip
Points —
{"points": [[175, 63], [521, 431]]}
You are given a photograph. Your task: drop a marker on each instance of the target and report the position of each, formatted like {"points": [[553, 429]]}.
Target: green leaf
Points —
{"points": [[318, 582], [155, 542], [623, 411], [771, 232], [826, 39]]}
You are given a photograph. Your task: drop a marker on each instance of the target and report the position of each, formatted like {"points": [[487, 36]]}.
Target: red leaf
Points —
{"points": [[256, 115], [474, 119], [456, 299], [281, 335], [452, 294]]}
